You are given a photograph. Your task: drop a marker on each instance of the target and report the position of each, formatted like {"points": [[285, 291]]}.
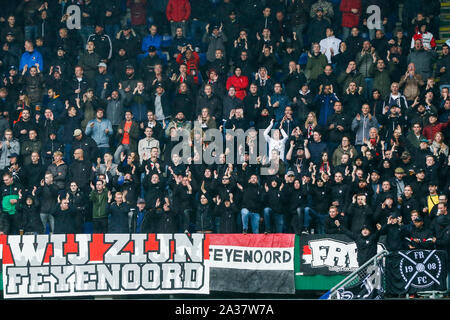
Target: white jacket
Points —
{"points": [[327, 43]]}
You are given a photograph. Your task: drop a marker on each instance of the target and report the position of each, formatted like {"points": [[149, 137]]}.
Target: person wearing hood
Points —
{"points": [[273, 207], [204, 213], [227, 212], [28, 211], [366, 241], [303, 103]]}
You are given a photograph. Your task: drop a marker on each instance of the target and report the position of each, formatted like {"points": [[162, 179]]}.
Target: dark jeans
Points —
{"points": [[185, 219], [100, 225], [278, 220], [319, 218], [297, 220]]}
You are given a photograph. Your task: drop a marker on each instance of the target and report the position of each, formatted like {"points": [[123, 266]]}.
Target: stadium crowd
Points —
{"points": [[354, 116]]}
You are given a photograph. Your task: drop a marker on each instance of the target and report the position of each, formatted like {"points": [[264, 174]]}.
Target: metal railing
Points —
{"points": [[358, 275]]}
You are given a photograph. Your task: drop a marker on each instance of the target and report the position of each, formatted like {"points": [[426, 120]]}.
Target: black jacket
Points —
{"points": [[227, 217], [147, 223], [118, 218], [359, 216], [30, 220], [64, 220], [330, 224], [47, 196], [395, 236], [167, 220], [272, 199], [367, 246], [81, 172], [251, 197], [203, 219], [425, 236], [89, 147]]}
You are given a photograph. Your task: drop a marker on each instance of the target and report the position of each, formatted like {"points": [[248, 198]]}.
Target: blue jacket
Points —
{"points": [[97, 132], [150, 40], [57, 107], [325, 105], [279, 111], [30, 59]]}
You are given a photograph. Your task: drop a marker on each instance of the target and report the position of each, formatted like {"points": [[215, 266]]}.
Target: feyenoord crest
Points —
{"points": [[420, 269]]}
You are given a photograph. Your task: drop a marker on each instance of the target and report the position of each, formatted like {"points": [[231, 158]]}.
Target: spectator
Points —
{"points": [[178, 12], [100, 130]]}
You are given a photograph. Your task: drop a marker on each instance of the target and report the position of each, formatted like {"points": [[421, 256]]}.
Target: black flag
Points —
{"points": [[413, 271]]}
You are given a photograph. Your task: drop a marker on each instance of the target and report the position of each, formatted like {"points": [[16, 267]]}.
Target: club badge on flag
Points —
{"points": [[416, 271]]}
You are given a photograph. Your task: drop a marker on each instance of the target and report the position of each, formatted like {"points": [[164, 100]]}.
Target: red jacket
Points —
{"points": [[138, 12], [350, 19], [178, 10], [430, 130], [240, 84]]}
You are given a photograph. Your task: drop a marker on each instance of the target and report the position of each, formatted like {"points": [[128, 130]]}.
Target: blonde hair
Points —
{"points": [[314, 119]]}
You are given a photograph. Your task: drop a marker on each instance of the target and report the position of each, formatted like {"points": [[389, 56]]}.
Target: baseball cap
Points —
{"points": [[77, 132], [140, 200], [129, 66], [399, 170], [290, 173], [424, 140], [419, 170], [102, 64], [395, 214], [151, 49], [13, 155]]}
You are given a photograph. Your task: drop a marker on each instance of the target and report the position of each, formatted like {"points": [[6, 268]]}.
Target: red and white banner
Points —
{"points": [[103, 264], [254, 263]]}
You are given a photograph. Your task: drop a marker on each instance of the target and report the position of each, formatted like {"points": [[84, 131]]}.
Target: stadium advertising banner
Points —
{"points": [[254, 263], [331, 254], [104, 264]]}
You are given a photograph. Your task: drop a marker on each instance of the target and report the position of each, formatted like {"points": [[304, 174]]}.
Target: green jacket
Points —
{"points": [[382, 79], [345, 78], [99, 203], [315, 66]]}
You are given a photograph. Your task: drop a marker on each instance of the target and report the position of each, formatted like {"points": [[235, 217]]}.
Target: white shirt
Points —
{"points": [[327, 43]]}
